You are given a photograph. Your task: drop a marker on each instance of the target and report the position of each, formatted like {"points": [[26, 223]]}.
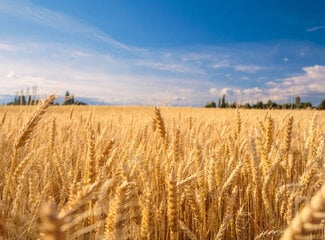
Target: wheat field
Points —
{"points": [[161, 173]]}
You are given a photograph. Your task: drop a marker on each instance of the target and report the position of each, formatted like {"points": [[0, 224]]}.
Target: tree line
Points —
{"points": [[223, 103], [31, 99]]}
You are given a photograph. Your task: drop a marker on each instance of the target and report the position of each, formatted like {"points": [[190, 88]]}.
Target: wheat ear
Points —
{"points": [[187, 231], [32, 122], [269, 134], [288, 134], [241, 224], [104, 154], [124, 217], [160, 123], [3, 119], [231, 179], [309, 219], [223, 227], [237, 128], [269, 235]]}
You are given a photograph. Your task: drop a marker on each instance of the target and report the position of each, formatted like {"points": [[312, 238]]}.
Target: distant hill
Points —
{"points": [[4, 99]]}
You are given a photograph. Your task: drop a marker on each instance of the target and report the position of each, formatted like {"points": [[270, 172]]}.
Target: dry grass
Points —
{"points": [[152, 173]]}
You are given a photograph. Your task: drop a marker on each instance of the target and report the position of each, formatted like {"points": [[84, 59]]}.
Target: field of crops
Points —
{"points": [[160, 173]]}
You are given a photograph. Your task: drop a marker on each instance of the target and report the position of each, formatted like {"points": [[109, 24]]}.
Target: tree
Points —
{"points": [[259, 105], [271, 104], [68, 99], [29, 102], [210, 105], [322, 105], [223, 101], [247, 106], [306, 105], [23, 99], [233, 105], [298, 102]]}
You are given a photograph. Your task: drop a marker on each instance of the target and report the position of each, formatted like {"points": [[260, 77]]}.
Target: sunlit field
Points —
{"points": [[84, 172]]}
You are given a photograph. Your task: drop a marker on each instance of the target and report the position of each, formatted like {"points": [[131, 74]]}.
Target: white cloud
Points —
{"points": [[285, 59], [312, 29], [252, 90], [230, 91], [310, 83], [170, 67], [241, 95], [222, 64], [253, 95], [195, 57], [12, 75], [245, 78], [248, 68], [214, 91], [271, 83]]}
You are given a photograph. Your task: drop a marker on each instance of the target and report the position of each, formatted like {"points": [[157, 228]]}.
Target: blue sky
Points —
{"points": [[165, 52]]}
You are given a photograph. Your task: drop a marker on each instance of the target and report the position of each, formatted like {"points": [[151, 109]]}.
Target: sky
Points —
{"points": [[180, 53]]}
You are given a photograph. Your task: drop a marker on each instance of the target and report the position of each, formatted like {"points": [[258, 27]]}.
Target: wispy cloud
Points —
{"points": [[222, 64], [248, 68], [312, 29], [60, 22], [109, 78], [170, 67]]}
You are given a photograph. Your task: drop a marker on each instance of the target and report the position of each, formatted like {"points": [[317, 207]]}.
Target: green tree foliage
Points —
{"points": [[271, 104], [298, 102], [259, 105], [210, 105], [223, 101], [68, 99], [247, 106], [322, 105], [22, 99]]}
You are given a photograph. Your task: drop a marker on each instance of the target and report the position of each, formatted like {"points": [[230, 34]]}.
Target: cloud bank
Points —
{"points": [[311, 82]]}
